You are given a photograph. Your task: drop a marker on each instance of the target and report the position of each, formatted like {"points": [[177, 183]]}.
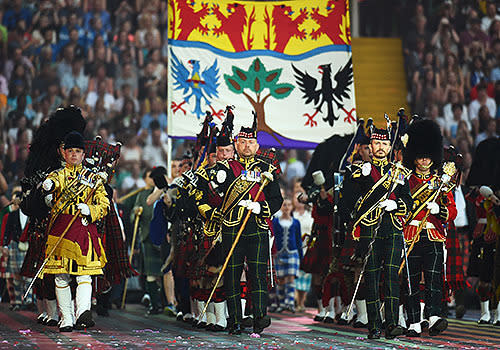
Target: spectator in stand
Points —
{"points": [[491, 15], [157, 113], [126, 97], [18, 58], [21, 36], [77, 43], [489, 132], [494, 60], [476, 73], [146, 26], [159, 69], [15, 13], [101, 92], [445, 31], [473, 34], [128, 77], [134, 179], [99, 76], [65, 35], [155, 153], [427, 90], [494, 31], [98, 12], [147, 80], [64, 66], [482, 100], [122, 45], [54, 94], [452, 77], [452, 126], [123, 13], [131, 151], [40, 27], [74, 78]]}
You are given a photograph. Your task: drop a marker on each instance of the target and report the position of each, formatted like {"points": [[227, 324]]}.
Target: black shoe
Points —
{"points": [[359, 324], [412, 333], [40, 319], [234, 329], [343, 322], [374, 333], [210, 327], [319, 318], [424, 324], [460, 311], [217, 328], [247, 322], [260, 323], [51, 323], [66, 329], [84, 321], [483, 322], [438, 327], [328, 320], [393, 331], [201, 324]]}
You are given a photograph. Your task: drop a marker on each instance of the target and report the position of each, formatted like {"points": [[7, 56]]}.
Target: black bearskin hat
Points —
{"points": [[423, 140], [74, 140], [249, 133], [225, 137], [43, 155], [485, 168]]}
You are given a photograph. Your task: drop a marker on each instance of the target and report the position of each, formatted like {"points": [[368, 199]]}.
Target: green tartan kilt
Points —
{"points": [[151, 261]]}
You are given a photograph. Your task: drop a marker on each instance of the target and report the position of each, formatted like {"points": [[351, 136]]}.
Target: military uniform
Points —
{"points": [[240, 180], [80, 253], [388, 245], [427, 255]]}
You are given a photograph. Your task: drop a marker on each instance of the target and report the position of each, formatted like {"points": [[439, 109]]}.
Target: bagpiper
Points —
{"points": [[240, 180], [484, 179], [74, 246], [384, 201], [425, 229]]}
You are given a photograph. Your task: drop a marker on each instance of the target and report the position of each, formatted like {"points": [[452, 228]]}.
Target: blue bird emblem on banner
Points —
{"points": [[202, 85]]}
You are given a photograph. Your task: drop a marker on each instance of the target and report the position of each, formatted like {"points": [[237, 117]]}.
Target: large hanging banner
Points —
{"points": [[289, 61]]}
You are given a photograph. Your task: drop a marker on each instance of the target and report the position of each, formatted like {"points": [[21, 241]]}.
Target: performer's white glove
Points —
{"points": [[388, 204], [366, 169], [433, 208], [48, 200], [48, 185], [250, 205], [84, 208]]}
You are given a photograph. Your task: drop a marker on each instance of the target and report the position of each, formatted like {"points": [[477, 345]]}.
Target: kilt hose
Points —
{"points": [[255, 247], [427, 257], [386, 255]]}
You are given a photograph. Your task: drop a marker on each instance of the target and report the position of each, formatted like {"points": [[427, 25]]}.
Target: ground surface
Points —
{"points": [[130, 329]]}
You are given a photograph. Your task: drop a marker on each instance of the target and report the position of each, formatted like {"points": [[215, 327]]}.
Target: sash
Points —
{"points": [[239, 188]]}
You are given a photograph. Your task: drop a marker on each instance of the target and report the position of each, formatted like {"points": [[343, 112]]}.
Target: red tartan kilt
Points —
{"points": [[34, 256], [317, 258]]}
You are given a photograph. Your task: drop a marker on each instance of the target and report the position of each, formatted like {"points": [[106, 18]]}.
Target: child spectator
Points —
{"points": [[289, 245]]}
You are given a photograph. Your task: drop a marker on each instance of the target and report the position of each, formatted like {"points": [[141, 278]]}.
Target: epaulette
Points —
{"points": [[356, 170], [202, 172], [224, 163]]}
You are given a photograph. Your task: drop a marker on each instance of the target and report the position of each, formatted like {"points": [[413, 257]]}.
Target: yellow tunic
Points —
{"points": [[73, 185]]}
